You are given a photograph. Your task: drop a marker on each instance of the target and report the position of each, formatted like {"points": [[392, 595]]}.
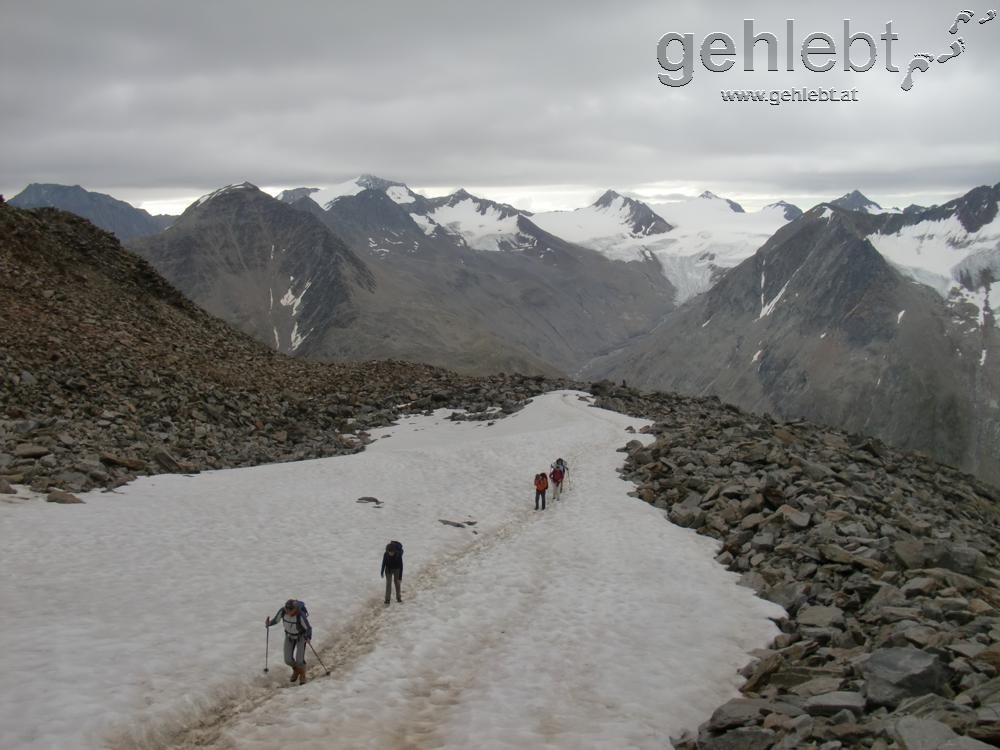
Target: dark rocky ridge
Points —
{"points": [[122, 219], [270, 270], [107, 371], [887, 564]]}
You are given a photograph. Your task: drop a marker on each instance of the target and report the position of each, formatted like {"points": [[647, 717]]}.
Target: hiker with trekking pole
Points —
{"points": [[298, 632]]}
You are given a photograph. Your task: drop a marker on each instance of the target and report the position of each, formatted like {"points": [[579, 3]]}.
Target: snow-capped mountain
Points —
{"points": [[953, 248], [789, 211], [733, 205], [693, 240], [325, 196], [122, 219], [619, 227], [878, 323], [710, 235], [363, 279]]}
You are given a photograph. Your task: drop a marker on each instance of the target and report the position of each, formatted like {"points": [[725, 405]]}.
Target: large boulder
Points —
{"points": [[892, 674]]}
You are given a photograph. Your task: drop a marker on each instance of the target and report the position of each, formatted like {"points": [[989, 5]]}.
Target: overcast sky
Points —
{"points": [[542, 104]]}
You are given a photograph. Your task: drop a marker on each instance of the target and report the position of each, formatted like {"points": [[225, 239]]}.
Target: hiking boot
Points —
{"points": [[399, 600], [295, 674], [302, 676], [386, 601]]}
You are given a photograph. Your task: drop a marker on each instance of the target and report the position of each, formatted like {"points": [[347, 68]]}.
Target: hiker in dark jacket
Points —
{"points": [[392, 569], [298, 632]]}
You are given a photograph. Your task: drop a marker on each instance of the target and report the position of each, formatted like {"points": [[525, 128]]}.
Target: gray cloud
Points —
{"points": [[141, 99]]}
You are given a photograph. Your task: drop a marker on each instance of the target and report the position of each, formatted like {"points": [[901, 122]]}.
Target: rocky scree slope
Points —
{"points": [[107, 371], [887, 564]]}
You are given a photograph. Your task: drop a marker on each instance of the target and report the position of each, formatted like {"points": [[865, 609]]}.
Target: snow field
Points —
{"points": [[593, 624]]}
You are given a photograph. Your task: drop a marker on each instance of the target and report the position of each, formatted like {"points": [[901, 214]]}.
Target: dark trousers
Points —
{"points": [[540, 494], [390, 576]]}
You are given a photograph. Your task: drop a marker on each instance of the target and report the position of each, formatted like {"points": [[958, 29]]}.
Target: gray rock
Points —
{"points": [[817, 686], [920, 586], [910, 553], [5, 488], [788, 595], [30, 450], [892, 674], [744, 738], [821, 616], [737, 712], [966, 743], [63, 498], [829, 704], [688, 518], [921, 734], [794, 517]]}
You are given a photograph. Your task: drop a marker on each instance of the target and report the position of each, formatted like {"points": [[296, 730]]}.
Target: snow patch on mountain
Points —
{"points": [[327, 195], [481, 224], [709, 237], [609, 226], [943, 255], [704, 235], [401, 194], [293, 300], [223, 190]]}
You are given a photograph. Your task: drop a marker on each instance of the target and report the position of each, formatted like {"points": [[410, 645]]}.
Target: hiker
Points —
{"points": [[392, 569], [556, 475], [298, 632], [541, 484]]}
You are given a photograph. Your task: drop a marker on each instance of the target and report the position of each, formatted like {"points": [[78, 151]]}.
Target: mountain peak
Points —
{"points": [[373, 182], [295, 194], [790, 211], [228, 189], [857, 201], [609, 197], [733, 205]]}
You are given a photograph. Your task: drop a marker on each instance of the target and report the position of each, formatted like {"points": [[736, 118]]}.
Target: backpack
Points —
{"points": [[557, 474], [302, 618], [396, 547]]}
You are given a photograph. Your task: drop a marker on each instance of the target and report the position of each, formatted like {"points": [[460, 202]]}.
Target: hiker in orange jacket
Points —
{"points": [[541, 484]]}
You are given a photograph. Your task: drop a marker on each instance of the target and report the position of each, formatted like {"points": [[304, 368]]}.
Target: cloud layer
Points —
{"points": [[146, 100]]}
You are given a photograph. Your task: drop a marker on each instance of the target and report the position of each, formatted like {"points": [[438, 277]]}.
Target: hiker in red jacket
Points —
{"points": [[556, 475], [541, 484]]}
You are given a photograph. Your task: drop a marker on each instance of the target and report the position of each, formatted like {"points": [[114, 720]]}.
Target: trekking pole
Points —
{"points": [[317, 657], [267, 645]]}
